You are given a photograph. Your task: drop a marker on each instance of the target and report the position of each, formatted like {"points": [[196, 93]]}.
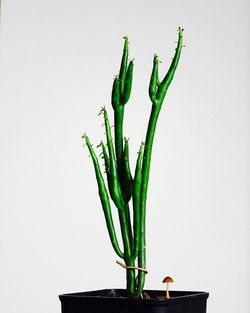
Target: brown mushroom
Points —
{"points": [[167, 280]]}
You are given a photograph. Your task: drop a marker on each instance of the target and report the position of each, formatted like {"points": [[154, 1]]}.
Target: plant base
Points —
{"points": [[116, 301]]}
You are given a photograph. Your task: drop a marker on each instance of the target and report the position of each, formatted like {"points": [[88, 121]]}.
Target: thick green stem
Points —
{"points": [[157, 93], [130, 276], [143, 198], [120, 95]]}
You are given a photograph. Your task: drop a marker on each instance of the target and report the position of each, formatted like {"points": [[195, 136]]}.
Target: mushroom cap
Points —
{"points": [[168, 279]]}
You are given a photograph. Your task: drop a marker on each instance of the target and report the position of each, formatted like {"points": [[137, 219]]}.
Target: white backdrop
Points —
{"points": [[58, 60]]}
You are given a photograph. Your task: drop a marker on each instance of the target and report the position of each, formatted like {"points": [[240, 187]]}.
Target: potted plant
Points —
{"points": [[124, 188]]}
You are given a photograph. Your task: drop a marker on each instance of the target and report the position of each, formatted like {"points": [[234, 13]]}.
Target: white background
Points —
{"points": [[58, 60]]}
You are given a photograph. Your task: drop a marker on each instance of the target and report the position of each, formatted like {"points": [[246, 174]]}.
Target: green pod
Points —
{"points": [[128, 83], [154, 80], [115, 95], [124, 64], [126, 177]]}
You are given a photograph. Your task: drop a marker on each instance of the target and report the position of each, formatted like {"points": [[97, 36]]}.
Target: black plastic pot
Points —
{"points": [[116, 301]]}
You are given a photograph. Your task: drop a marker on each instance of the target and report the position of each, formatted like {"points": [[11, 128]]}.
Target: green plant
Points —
{"points": [[122, 185]]}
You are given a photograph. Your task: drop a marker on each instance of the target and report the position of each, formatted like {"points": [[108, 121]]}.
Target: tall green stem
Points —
{"points": [[157, 92], [144, 188]]}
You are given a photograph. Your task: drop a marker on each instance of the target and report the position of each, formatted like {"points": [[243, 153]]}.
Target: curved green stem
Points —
{"points": [[104, 199], [115, 191]]}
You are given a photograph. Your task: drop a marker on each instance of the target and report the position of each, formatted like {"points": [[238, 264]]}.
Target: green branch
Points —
{"points": [[104, 199], [158, 91]]}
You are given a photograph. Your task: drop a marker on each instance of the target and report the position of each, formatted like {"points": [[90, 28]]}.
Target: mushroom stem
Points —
{"points": [[167, 292], [167, 280]]}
